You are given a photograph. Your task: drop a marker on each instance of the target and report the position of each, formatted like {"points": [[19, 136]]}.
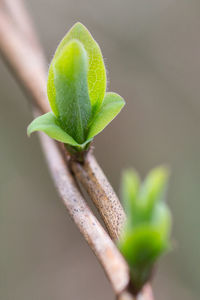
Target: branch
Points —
{"points": [[27, 62], [103, 247], [11, 44], [21, 50], [102, 194]]}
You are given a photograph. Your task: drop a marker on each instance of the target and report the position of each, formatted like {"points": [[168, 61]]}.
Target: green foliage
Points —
{"points": [[70, 80], [111, 106], [146, 233], [76, 90]]}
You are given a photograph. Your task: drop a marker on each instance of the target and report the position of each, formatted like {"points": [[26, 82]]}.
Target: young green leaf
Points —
{"points": [[145, 235], [96, 76], [72, 99], [49, 124], [76, 90], [111, 106], [153, 189], [129, 190]]}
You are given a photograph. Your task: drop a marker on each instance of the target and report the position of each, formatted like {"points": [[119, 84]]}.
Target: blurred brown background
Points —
{"points": [[152, 52]]}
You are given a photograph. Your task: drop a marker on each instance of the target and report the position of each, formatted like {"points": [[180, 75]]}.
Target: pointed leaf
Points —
{"points": [[153, 188], [70, 79], [162, 220], [96, 77], [112, 104], [49, 124], [129, 190]]}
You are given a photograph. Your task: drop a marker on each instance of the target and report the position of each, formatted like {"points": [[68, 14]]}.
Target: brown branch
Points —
{"points": [[101, 192], [103, 247], [25, 60], [28, 63], [21, 19], [23, 54], [116, 269]]}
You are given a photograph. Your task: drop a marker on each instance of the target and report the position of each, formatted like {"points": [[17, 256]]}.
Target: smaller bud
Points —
{"points": [[145, 235]]}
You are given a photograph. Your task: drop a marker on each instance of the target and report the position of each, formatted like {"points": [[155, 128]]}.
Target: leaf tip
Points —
{"points": [[161, 174], [28, 131], [78, 26]]}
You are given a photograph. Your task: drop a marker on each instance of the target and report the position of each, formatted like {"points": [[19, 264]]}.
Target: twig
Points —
{"points": [[22, 20], [31, 71], [101, 192], [103, 247], [25, 61], [22, 52], [28, 63]]}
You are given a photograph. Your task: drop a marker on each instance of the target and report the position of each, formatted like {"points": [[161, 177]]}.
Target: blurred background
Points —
{"points": [[152, 53]]}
